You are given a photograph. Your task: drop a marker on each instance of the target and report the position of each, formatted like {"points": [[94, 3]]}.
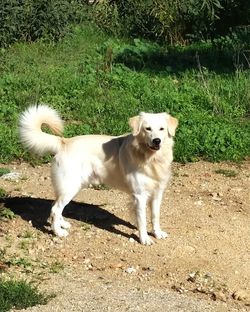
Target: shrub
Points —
{"points": [[171, 21], [29, 20], [19, 295]]}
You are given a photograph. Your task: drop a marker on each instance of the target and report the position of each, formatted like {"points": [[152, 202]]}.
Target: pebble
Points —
{"points": [[241, 295], [198, 203], [130, 270], [151, 269], [116, 266], [216, 196], [219, 295], [12, 176]]}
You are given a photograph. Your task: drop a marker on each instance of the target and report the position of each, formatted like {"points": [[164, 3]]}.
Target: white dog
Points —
{"points": [[137, 163]]}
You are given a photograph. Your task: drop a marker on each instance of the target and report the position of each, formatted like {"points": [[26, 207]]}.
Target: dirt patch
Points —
{"points": [[206, 211]]}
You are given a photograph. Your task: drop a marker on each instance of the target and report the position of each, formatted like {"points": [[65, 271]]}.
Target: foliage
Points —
{"points": [[3, 193], [29, 20], [19, 295], [162, 20], [97, 83], [4, 171], [226, 172], [5, 213], [171, 21], [20, 262], [56, 267]]}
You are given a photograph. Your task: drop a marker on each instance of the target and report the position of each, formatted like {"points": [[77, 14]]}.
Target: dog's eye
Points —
{"points": [[161, 129], [148, 129]]}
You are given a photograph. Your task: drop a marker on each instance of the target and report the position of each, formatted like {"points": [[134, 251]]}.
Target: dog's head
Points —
{"points": [[153, 129]]}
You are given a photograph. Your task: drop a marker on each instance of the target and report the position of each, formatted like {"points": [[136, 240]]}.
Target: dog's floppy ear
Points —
{"points": [[172, 125], [135, 124]]}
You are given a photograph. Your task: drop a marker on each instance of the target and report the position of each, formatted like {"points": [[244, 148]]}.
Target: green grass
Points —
{"points": [[227, 173], [6, 213], [4, 171], [96, 85], [20, 295], [3, 193], [56, 267], [19, 262]]}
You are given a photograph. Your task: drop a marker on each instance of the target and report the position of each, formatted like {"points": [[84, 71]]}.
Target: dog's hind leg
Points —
{"points": [[67, 193]]}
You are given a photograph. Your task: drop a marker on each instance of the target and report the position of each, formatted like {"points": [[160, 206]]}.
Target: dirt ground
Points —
{"points": [[204, 264]]}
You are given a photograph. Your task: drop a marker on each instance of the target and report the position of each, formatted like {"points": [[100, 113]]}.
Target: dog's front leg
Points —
{"points": [[140, 206], [155, 214]]}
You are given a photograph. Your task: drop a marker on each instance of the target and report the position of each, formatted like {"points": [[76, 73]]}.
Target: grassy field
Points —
{"points": [[98, 82]]}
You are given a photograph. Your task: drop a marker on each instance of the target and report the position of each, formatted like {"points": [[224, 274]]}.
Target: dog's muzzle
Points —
{"points": [[156, 143]]}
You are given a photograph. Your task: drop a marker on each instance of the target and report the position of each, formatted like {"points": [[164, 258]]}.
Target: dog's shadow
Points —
{"points": [[37, 211]]}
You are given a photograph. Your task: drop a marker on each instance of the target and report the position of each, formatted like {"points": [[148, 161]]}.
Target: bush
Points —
{"points": [[19, 295], [171, 21], [30, 20]]}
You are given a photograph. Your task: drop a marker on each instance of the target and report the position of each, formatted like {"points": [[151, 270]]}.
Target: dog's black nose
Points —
{"points": [[156, 141]]}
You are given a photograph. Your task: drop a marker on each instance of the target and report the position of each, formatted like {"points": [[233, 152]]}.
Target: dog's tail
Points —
{"points": [[30, 128]]}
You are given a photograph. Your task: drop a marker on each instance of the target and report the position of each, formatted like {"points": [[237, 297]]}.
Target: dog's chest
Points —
{"points": [[156, 171]]}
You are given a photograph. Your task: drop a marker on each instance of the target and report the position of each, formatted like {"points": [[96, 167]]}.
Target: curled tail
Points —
{"points": [[30, 129]]}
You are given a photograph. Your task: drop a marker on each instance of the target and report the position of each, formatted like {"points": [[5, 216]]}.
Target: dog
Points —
{"points": [[138, 163]]}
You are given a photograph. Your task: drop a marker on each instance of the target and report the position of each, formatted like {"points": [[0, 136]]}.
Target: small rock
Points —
{"points": [[151, 269], [12, 176], [130, 270], [215, 196], [89, 267], [191, 277], [86, 261], [198, 203], [116, 266], [241, 295], [131, 240], [219, 295], [180, 289]]}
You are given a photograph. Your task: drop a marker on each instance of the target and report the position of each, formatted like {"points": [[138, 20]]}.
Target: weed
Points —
{"points": [[6, 214], [27, 234], [3, 193], [100, 187], [227, 173], [4, 171], [19, 262], [20, 295], [85, 226], [9, 238], [56, 267], [8, 261], [24, 244], [2, 254]]}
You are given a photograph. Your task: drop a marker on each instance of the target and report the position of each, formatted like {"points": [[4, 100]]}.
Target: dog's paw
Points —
{"points": [[146, 240], [65, 224], [159, 234], [61, 232]]}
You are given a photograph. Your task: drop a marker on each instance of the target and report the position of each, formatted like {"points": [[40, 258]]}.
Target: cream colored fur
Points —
{"points": [[137, 163]]}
